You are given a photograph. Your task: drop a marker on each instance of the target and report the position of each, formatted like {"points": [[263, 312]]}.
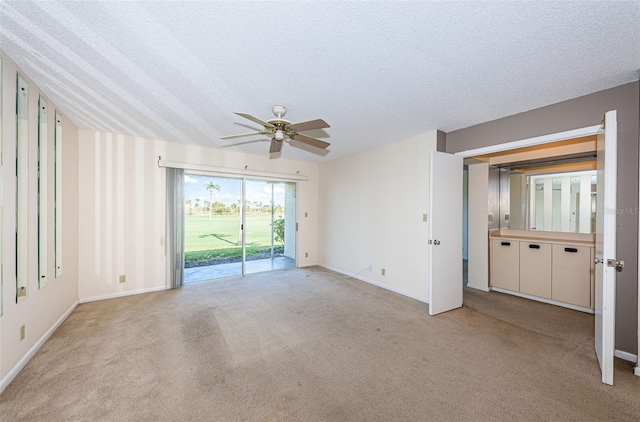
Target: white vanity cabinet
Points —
{"points": [[535, 269], [550, 269], [506, 256], [572, 275]]}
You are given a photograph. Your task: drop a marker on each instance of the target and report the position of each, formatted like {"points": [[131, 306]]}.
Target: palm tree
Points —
{"points": [[211, 187]]}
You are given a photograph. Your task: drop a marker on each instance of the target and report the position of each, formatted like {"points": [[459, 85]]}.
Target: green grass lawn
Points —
{"points": [[218, 237]]}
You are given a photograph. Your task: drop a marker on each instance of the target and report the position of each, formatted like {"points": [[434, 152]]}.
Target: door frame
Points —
{"points": [[243, 178], [539, 140]]}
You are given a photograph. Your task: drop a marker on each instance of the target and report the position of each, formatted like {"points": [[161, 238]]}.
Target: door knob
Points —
{"points": [[618, 265], [597, 260]]}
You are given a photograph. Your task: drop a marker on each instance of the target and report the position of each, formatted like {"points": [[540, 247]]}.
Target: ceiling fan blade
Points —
{"points": [[310, 125], [243, 134], [276, 146], [255, 119], [309, 140]]}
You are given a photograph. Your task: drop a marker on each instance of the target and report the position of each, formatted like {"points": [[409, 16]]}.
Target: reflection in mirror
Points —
{"points": [[57, 186], [562, 201], [22, 187], [43, 190]]}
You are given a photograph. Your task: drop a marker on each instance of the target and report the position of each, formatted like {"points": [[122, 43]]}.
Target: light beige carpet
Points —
{"points": [[301, 345]]}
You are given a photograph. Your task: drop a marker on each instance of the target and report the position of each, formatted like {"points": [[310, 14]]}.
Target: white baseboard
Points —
{"points": [[308, 265], [636, 371], [630, 357], [26, 358], [543, 300], [481, 288], [377, 284], [121, 294]]}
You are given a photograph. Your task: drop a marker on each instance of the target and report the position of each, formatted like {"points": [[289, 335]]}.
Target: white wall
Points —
{"points": [[370, 213], [478, 270], [465, 214], [122, 212], [42, 309]]}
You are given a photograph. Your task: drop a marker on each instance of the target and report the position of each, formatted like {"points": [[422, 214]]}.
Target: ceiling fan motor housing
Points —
{"points": [[279, 111]]}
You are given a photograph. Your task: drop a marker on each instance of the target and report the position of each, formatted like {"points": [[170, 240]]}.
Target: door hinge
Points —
{"points": [[603, 123]]}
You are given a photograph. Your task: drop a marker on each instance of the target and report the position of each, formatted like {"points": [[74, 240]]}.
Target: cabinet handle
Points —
{"points": [[505, 243], [534, 246], [574, 250]]}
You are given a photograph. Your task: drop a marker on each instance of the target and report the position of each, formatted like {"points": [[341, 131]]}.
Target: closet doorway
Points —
{"points": [[237, 226], [604, 257]]}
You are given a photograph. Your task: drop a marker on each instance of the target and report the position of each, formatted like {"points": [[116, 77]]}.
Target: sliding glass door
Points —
{"points": [[270, 225], [237, 226], [212, 227]]}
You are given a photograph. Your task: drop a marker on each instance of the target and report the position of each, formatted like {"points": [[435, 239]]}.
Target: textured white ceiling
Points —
{"points": [[377, 72]]}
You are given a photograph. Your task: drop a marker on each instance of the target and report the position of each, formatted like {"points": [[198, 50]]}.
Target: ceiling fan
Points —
{"points": [[280, 128]]}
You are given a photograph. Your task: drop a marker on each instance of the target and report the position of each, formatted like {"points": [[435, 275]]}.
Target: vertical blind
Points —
{"points": [[175, 225]]}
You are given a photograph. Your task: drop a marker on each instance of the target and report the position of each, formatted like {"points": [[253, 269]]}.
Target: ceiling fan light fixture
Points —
{"points": [[279, 135]]}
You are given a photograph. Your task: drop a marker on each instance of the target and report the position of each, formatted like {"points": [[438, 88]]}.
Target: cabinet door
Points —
{"points": [[571, 274], [505, 265], [535, 269]]}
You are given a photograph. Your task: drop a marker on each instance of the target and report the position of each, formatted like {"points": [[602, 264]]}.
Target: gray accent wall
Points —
{"points": [[573, 114], [441, 141]]}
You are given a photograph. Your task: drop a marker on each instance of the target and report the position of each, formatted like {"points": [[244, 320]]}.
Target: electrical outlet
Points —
{"points": [[306, 254], [123, 278], [383, 271], [22, 332], [370, 267]]}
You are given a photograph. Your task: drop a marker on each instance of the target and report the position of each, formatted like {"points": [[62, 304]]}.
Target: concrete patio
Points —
{"points": [[211, 272]]}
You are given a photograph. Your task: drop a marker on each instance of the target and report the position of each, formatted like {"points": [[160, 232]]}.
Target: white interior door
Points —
{"points": [[445, 242], [606, 246]]}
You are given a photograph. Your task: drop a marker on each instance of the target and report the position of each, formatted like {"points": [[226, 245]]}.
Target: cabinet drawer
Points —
{"points": [[571, 274], [535, 269], [505, 264]]}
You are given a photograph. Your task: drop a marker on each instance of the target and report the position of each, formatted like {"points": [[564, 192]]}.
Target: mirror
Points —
{"points": [[22, 188], [43, 190], [558, 201], [57, 186]]}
